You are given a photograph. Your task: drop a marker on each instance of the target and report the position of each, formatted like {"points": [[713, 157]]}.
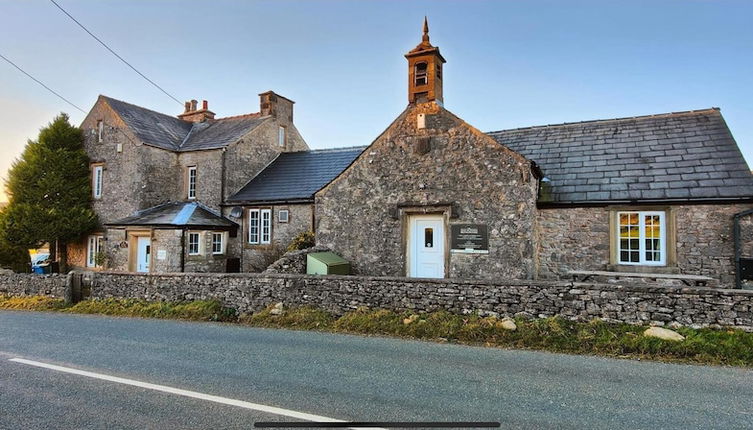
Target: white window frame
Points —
{"points": [[265, 227], [260, 226], [280, 217], [97, 173], [192, 178], [100, 131], [221, 236], [281, 136], [93, 248], [642, 261], [254, 224], [198, 243]]}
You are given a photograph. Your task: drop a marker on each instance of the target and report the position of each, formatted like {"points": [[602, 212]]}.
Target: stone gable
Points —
{"points": [[445, 167]]}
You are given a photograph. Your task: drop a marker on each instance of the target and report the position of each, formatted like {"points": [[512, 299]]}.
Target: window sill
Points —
{"points": [[634, 268]]}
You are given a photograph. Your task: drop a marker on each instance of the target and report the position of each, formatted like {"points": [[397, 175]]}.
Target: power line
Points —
{"points": [[115, 53], [41, 83]]}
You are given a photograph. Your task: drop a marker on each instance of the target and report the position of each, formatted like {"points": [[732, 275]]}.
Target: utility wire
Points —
{"points": [[40, 83], [115, 53]]}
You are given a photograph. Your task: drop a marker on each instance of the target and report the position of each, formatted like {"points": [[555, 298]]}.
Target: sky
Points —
{"points": [[509, 63]]}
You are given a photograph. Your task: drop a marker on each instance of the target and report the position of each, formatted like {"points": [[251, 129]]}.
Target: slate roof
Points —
{"points": [[178, 215], [296, 176], [174, 134], [675, 156]]}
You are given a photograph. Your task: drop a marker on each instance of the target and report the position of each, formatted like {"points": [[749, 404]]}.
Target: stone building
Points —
{"points": [[159, 182], [278, 203], [434, 197], [431, 197]]}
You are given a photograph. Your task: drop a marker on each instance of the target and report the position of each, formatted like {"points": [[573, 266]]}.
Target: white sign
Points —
{"points": [[161, 254]]}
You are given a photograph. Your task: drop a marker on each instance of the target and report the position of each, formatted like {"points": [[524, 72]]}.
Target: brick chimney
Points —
{"points": [[193, 114], [275, 105]]}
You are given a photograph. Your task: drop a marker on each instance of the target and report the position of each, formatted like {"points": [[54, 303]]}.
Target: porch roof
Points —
{"points": [[179, 215]]}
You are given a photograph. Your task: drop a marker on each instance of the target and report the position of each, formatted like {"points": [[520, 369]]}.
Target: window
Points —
{"points": [[92, 250], [420, 74], [266, 225], [259, 226], [194, 243], [253, 226], [429, 237], [218, 243], [191, 182], [100, 130], [281, 136], [97, 171], [283, 215], [642, 238]]}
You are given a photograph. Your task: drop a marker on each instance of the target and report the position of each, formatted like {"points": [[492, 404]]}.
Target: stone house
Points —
{"points": [[159, 182], [278, 203], [434, 197]]}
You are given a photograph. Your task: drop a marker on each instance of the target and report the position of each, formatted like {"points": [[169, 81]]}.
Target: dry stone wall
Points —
{"points": [[695, 307]]}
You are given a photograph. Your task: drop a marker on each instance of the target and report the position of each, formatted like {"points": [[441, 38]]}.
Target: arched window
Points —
{"points": [[420, 74]]}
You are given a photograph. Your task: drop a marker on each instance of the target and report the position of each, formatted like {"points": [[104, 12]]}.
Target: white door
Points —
{"points": [[426, 246], [143, 253]]}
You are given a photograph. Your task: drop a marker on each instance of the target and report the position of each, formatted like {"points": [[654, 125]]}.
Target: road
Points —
{"points": [[342, 377]]}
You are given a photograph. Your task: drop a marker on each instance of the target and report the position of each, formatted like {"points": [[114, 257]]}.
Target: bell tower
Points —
{"points": [[425, 71]]}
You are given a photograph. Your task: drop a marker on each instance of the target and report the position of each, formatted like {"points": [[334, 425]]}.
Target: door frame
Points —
{"points": [[407, 214], [133, 252]]}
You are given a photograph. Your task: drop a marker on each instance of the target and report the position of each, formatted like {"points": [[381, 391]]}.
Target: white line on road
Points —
{"points": [[186, 393]]}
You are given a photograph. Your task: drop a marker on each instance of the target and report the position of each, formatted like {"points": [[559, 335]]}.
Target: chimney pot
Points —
{"points": [[205, 105], [194, 104], [188, 106]]}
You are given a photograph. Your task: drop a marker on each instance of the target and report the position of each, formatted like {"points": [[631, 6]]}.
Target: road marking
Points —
{"points": [[186, 393]]}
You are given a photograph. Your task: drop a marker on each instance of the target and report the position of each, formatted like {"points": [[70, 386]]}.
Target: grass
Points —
{"points": [[199, 310], [703, 346]]}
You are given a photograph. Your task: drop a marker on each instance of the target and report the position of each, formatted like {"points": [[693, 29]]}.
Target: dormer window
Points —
{"points": [[100, 130], [420, 74]]}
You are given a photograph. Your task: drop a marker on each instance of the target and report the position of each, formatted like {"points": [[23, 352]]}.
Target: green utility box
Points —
{"points": [[326, 263]]}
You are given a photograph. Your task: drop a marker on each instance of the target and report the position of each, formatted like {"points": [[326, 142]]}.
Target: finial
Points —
{"points": [[426, 29]]}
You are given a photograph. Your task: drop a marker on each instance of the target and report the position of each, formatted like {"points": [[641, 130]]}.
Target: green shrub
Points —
{"points": [[303, 240]]}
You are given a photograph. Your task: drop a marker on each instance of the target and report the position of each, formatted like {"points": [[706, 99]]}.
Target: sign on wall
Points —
{"points": [[161, 254], [469, 238]]}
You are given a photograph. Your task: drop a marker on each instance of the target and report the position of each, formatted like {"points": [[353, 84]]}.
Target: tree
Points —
{"points": [[12, 257], [49, 191]]}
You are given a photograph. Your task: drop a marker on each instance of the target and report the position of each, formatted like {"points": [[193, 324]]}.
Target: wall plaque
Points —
{"points": [[469, 238], [161, 254]]}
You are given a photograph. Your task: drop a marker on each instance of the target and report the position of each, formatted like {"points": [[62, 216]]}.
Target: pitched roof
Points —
{"points": [[177, 214], [296, 176], [174, 134], [675, 156]]}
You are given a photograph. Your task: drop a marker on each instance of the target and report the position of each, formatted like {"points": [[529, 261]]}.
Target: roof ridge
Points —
{"points": [[245, 115], [339, 149], [626, 118], [142, 107]]}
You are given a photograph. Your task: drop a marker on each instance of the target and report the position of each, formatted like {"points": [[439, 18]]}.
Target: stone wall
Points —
{"points": [[659, 305], [18, 284], [254, 256], [446, 168], [697, 307], [579, 239]]}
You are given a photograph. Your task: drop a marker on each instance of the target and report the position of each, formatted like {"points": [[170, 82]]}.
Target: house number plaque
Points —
{"points": [[469, 238]]}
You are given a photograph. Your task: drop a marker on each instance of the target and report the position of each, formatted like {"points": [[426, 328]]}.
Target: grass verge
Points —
{"points": [[702, 346], [199, 310]]}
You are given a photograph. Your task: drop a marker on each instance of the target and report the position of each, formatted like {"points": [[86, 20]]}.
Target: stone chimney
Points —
{"points": [[194, 114], [275, 105]]}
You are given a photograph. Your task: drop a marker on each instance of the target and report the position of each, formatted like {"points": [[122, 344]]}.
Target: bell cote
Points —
{"points": [[425, 71]]}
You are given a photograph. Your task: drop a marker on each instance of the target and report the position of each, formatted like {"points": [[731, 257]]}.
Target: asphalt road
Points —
{"points": [[336, 376]]}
